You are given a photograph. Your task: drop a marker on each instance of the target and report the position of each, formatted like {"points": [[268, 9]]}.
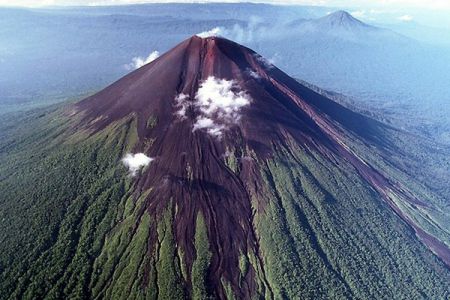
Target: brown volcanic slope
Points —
{"points": [[278, 190]]}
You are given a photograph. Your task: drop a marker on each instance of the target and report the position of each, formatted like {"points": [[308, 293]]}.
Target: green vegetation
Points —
{"points": [[169, 273], [263, 290], [59, 200], [119, 265], [73, 226], [201, 263], [321, 226], [232, 161], [228, 290], [425, 176]]}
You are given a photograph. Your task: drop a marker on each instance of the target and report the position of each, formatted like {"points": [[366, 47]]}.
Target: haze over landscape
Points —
{"points": [[224, 150]]}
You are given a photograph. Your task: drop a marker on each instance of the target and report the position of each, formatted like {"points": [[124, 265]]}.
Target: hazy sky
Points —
{"points": [[432, 4]]}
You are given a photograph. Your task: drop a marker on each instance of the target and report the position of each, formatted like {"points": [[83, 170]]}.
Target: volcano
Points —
{"points": [[340, 29], [241, 183], [341, 19]]}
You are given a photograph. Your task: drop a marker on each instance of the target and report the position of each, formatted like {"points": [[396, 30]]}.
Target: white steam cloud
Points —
{"points": [[254, 30], [213, 32], [209, 125], [219, 103], [134, 162], [137, 62], [221, 97]]}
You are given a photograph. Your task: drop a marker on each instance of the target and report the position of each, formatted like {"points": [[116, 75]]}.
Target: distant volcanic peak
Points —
{"points": [[341, 18], [342, 15]]}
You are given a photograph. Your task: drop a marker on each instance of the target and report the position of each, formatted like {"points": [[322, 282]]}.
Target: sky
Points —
{"points": [[421, 4]]}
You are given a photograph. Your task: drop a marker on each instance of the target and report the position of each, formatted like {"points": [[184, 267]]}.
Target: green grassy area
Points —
{"points": [[59, 200], [201, 262], [321, 227]]}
